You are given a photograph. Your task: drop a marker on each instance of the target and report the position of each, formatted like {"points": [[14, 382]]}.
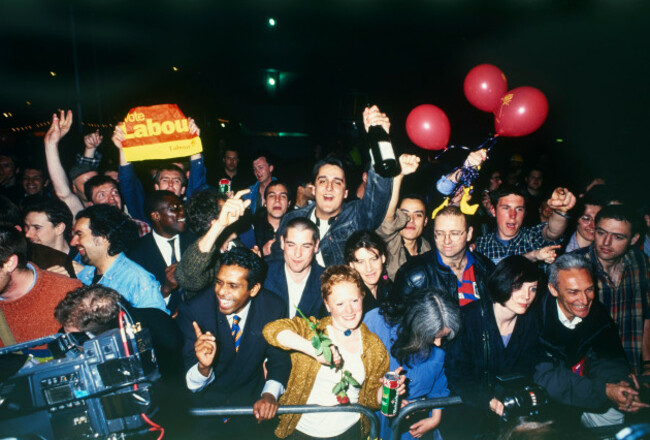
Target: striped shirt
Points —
{"points": [[467, 291]]}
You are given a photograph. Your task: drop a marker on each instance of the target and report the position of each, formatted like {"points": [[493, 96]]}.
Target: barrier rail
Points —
{"points": [[293, 409], [419, 405]]}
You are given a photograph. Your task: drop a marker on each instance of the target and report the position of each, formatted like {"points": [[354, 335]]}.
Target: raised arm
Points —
{"points": [[58, 129], [197, 178], [562, 200], [409, 164]]}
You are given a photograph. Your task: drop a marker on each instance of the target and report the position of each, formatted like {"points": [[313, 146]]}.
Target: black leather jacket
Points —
{"points": [[424, 271]]}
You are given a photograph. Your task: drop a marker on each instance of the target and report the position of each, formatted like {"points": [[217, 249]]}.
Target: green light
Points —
{"points": [[271, 81], [272, 22], [559, 140]]}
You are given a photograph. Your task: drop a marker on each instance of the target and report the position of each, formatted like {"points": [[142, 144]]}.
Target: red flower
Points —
{"points": [[343, 399]]}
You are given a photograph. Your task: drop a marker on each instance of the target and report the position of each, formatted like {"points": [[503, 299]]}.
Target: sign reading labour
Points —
{"points": [[158, 132]]}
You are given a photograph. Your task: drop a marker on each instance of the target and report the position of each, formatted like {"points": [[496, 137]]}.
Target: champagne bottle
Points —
{"points": [[382, 154]]}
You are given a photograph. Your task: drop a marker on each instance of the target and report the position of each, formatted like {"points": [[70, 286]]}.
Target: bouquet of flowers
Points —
{"points": [[321, 343]]}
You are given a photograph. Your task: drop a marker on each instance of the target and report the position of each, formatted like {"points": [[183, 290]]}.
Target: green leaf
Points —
{"points": [[327, 352], [337, 388], [353, 382], [316, 342], [325, 340]]}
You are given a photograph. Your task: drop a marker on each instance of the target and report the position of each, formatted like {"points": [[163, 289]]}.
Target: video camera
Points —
{"points": [[97, 388], [520, 396]]}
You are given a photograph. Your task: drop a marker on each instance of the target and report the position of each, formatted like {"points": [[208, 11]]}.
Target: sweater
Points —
{"points": [[305, 368], [32, 316]]}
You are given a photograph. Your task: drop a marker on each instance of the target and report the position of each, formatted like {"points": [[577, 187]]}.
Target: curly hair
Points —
{"points": [[420, 318], [334, 275], [247, 259], [91, 308], [55, 210], [109, 222], [201, 209]]}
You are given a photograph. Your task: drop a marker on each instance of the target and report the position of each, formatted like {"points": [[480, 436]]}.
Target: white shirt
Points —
{"points": [[332, 424], [323, 226], [295, 290], [165, 249], [196, 381], [565, 321]]}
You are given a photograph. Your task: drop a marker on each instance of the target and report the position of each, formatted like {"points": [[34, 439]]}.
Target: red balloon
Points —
{"points": [[520, 112], [428, 127], [484, 86]]}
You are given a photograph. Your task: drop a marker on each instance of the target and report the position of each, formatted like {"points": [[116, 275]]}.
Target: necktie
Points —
{"points": [[171, 243], [236, 331]]}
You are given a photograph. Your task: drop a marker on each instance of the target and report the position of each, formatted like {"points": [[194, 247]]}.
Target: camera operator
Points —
{"points": [[498, 337], [585, 367]]}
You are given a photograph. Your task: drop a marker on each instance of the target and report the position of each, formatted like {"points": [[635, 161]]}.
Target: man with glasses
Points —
{"points": [[588, 207], [451, 266]]}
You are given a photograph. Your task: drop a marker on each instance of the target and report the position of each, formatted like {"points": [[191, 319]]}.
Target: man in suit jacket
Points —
{"points": [[224, 350], [160, 251], [296, 278]]}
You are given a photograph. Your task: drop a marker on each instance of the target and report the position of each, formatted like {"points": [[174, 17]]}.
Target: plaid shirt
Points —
{"points": [[629, 302], [90, 161], [528, 239], [143, 227]]}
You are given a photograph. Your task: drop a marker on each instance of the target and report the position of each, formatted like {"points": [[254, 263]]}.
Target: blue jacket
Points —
{"points": [[252, 196], [135, 284], [367, 213], [133, 192]]}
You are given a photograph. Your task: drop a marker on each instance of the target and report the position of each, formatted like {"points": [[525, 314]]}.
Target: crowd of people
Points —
{"points": [[266, 293]]}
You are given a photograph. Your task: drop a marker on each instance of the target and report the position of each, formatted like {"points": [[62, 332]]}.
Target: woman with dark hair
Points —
{"points": [[412, 331], [498, 338], [365, 252]]}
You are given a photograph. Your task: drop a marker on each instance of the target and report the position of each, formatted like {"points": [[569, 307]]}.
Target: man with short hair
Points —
{"points": [[296, 279], [277, 199], [9, 187], [34, 181], [225, 353], [584, 366], [230, 169], [103, 190], [28, 295], [451, 266], [159, 252], [335, 220], [263, 170], [101, 235], [49, 222], [402, 227], [623, 277], [537, 243]]}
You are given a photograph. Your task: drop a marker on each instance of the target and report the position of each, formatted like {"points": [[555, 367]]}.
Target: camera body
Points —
{"points": [[520, 396], [91, 392]]}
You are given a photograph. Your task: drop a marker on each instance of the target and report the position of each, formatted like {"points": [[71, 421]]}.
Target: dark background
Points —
{"points": [[590, 58]]}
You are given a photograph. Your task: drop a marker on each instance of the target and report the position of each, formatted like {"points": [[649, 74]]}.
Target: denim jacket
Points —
{"points": [[367, 213], [135, 284]]}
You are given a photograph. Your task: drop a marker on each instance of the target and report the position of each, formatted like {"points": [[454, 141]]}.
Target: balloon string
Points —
{"points": [[487, 144]]}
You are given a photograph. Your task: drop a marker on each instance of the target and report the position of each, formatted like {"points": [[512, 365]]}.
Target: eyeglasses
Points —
{"points": [[453, 235], [586, 219]]}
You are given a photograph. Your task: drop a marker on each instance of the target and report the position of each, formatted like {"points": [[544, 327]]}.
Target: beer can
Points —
{"points": [[224, 186], [389, 397]]}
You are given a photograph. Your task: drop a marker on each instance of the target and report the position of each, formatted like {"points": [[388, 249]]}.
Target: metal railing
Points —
{"points": [[420, 405], [293, 409]]}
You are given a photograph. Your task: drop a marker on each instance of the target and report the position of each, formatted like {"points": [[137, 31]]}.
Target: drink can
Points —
{"points": [[224, 186], [389, 397]]}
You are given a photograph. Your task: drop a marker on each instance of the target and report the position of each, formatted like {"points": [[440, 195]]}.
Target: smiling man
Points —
{"points": [[296, 278], [623, 276], [584, 366], [225, 351], [537, 243], [263, 170], [267, 220], [335, 220], [101, 234], [160, 251]]}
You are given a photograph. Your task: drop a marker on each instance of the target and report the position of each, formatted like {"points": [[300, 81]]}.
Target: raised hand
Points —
{"points": [[475, 158], [92, 140], [233, 209], [205, 349], [59, 128], [372, 116], [547, 254], [194, 129], [409, 163], [118, 137], [562, 200]]}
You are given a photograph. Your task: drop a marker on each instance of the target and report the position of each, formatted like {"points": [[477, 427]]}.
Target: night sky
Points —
{"points": [[590, 58]]}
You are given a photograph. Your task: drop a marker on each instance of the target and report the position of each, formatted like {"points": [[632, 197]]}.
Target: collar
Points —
{"points": [[243, 314], [571, 325], [468, 255], [162, 241]]}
